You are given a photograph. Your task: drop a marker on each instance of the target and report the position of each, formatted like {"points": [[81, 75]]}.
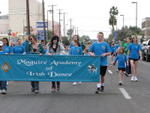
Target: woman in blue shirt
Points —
{"points": [[3, 84], [75, 50], [134, 55], [18, 48], [121, 59], [6, 47]]}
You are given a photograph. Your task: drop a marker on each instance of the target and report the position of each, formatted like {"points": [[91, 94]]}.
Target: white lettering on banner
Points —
{"points": [[54, 74], [35, 73], [49, 68], [56, 63], [30, 63]]}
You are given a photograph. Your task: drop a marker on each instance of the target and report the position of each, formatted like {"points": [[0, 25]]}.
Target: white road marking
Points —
{"points": [[125, 94]]}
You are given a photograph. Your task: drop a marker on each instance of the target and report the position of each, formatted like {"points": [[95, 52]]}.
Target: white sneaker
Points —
{"points": [[80, 82], [4, 91], [132, 78], [74, 83], [135, 78]]}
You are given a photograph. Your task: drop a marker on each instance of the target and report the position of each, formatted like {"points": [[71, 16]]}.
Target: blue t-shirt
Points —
{"points": [[112, 49], [116, 46], [75, 50], [134, 51], [121, 59], [99, 48], [18, 49], [6, 49], [2, 52]]}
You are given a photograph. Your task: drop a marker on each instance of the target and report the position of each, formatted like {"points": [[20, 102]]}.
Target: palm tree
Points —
{"points": [[112, 19]]}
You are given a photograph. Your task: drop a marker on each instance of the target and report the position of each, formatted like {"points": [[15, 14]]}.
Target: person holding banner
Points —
{"points": [[3, 84], [55, 48], [31, 47], [74, 38], [35, 50], [6, 47], [18, 48], [102, 49], [75, 50]]}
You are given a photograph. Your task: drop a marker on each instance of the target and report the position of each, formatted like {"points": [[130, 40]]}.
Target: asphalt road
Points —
{"points": [[132, 97]]}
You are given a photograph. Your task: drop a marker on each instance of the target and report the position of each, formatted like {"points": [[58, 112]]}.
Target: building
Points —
{"points": [[17, 14], [146, 27], [15, 21], [4, 24]]}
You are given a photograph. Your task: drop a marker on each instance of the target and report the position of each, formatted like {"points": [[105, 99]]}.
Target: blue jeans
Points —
{"points": [[3, 85]]}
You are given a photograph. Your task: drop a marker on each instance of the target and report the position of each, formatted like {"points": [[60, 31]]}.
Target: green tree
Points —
{"points": [[126, 32], [112, 19], [84, 38], [65, 40], [70, 33], [50, 34]]}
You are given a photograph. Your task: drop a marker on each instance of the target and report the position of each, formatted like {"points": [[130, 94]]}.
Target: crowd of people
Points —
{"points": [[126, 56]]}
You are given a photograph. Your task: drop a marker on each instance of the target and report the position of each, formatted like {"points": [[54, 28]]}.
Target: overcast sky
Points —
{"points": [[91, 16]]}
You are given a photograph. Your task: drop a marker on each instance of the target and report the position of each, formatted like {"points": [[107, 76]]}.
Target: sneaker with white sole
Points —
{"points": [[80, 82], [135, 78], [74, 83], [120, 83], [4, 92], [132, 78]]}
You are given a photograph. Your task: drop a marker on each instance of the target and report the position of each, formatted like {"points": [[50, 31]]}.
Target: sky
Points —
{"points": [[92, 16]]}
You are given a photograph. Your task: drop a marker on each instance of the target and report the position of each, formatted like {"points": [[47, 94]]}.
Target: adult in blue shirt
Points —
{"points": [[18, 48], [75, 50], [134, 55], [102, 49], [6, 47], [3, 84]]}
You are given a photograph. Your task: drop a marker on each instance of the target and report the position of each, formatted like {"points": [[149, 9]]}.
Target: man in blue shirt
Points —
{"points": [[102, 49]]}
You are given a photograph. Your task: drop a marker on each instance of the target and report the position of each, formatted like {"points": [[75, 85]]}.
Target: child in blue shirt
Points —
{"points": [[121, 59]]}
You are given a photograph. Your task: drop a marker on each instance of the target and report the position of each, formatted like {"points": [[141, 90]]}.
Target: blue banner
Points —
{"points": [[49, 68]]}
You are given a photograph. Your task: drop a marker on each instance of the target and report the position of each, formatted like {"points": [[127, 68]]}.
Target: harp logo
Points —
{"points": [[5, 67]]}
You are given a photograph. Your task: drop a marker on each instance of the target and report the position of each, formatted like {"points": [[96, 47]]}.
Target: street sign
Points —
{"points": [[40, 34], [41, 24]]}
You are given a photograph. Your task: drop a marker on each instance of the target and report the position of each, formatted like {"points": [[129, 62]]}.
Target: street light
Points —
{"points": [[123, 20], [136, 12], [123, 26]]}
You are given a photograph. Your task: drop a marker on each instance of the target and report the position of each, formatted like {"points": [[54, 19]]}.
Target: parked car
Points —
{"points": [[146, 50]]}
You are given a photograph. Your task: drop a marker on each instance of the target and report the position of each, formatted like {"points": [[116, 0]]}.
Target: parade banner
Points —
{"points": [[49, 68]]}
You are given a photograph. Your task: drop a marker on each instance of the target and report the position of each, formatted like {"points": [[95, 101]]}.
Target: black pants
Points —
{"points": [[55, 84], [35, 85]]}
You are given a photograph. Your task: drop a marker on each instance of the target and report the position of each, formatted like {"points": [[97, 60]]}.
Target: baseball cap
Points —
{"points": [[1, 43]]}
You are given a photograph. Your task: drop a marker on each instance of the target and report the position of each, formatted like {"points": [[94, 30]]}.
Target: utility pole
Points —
{"points": [[52, 18], [43, 10], [60, 22], [77, 31], [28, 17], [70, 27], [64, 23]]}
